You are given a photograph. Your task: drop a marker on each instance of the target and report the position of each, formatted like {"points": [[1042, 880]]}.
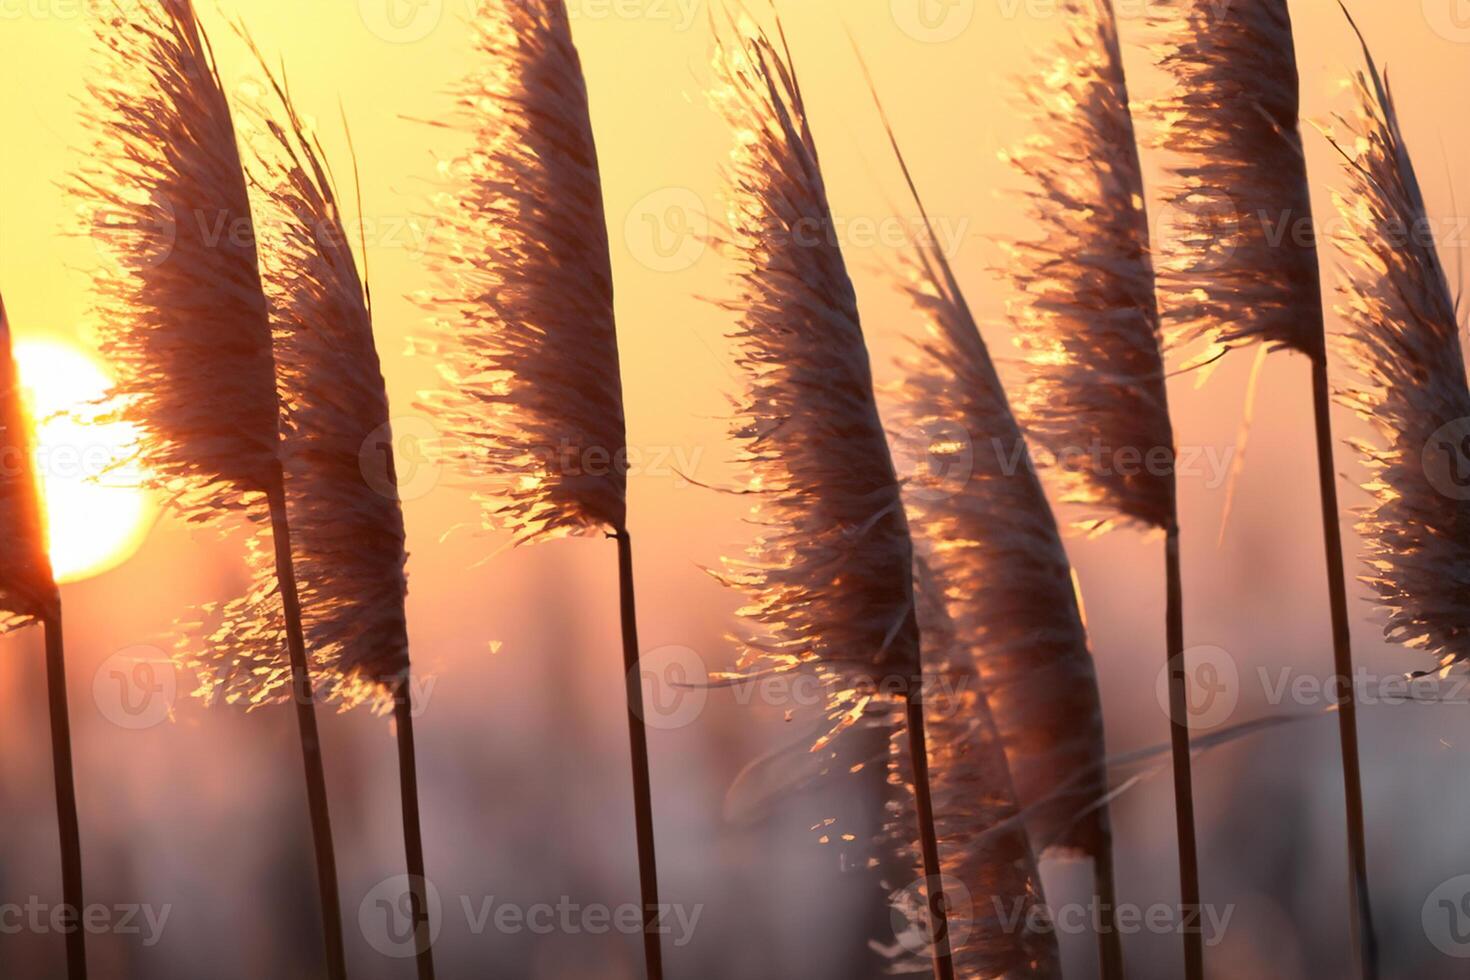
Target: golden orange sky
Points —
{"points": [[946, 71]]}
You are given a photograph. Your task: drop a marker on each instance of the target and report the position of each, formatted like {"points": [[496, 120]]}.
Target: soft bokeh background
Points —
{"points": [[522, 740]]}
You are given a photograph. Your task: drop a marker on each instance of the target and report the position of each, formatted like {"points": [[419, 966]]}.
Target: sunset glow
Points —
{"points": [[95, 519]]}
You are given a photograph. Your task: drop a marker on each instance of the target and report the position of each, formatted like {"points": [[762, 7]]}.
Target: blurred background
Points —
{"points": [[522, 738]]}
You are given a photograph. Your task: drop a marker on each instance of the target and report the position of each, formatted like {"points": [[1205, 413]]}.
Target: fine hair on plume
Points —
{"points": [[1405, 349], [997, 562], [530, 408], [186, 324], [1087, 319], [828, 580]]}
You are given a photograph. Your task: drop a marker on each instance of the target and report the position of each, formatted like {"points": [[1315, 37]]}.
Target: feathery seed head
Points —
{"points": [[526, 307], [1404, 346], [347, 535], [829, 579], [183, 315], [1233, 118], [27, 588], [1087, 316]]}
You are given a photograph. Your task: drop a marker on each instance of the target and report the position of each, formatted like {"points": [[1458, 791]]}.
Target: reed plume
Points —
{"points": [[29, 596], [348, 545], [533, 395], [1088, 322], [983, 846], [533, 400], [184, 317], [829, 580], [1405, 349], [1003, 575], [1234, 116]]}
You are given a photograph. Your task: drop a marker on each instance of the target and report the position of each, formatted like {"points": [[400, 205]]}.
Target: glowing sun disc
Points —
{"points": [[95, 518]]}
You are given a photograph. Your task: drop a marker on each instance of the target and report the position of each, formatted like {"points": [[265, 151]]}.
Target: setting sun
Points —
{"points": [[95, 518]]}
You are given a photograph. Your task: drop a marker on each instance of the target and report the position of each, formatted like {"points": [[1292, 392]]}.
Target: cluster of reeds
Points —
{"points": [[945, 627]]}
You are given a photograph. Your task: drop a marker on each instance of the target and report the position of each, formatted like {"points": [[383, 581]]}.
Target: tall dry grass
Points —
{"points": [[185, 321], [1008, 588], [829, 581], [1087, 320], [532, 401], [1249, 272], [28, 597]]}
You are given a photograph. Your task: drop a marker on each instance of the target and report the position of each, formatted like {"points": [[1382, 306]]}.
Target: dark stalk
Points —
{"points": [[1364, 936], [311, 747], [1189, 890], [413, 839], [929, 842], [638, 745], [66, 796], [1109, 939]]}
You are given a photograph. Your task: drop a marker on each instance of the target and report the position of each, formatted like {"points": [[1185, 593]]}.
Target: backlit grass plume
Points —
{"points": [[184, 317], [829, 580], [1248, 273], [1088, 322], [184, 322], [982, 844], [533, 401], [29, 596], [348, 543], [1244, 267], [27, 588], [1404, 344], [1003, 573], [347, 534]]}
